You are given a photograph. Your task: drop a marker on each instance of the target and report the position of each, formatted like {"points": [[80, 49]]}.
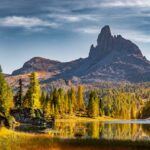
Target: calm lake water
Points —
{"points": [[120, 130]]}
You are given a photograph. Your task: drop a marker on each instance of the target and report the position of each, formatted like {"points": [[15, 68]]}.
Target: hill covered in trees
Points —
{"points": [[38, 106]]}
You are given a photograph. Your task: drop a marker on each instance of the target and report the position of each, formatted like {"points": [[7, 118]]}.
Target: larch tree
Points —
{"points": [[33, 94], [66, 103], [61, 100], [73, 99], [93, 106], [48, 110], [80, 98], [6, 95]]}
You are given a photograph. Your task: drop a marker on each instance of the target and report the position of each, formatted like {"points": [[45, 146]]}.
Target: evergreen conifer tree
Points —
{"points": [[19, 95]]}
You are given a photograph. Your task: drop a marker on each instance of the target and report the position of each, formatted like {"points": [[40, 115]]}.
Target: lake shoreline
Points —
{"points": [[100, 119], [84, 119]]}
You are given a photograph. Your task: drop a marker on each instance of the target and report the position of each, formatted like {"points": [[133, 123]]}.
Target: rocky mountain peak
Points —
{"points": [[37, 60], [114, 58], [36, 64], [104, 36], [107, 43]]}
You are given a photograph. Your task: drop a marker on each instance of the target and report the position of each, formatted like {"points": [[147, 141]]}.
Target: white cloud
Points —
{"points": [[126, 3], [73, 18], [26, 22], [57, 9]]}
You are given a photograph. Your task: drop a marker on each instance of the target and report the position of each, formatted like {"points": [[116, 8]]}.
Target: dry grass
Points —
{"points": [[10, 140], [84, 119]]}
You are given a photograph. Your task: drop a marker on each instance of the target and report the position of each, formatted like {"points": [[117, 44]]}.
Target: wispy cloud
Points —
{"points": [[73, 17], [126, 3], [25, 22], [55, 9]]}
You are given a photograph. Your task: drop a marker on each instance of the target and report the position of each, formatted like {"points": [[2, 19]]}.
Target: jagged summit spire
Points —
{"points": [[107, 43], [105, 35], [106, 30]]}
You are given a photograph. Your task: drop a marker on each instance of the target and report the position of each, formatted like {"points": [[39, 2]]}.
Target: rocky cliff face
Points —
{"points": [[112, 59], [106, 44], [116, 59]]}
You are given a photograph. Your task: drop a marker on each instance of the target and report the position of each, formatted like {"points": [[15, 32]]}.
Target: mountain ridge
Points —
{"points": [[114, 58]]}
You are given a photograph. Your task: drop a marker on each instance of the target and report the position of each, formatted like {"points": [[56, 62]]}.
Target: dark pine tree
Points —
{"points": [[19, 95]]}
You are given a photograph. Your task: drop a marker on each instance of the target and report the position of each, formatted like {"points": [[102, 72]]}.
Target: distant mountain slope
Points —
{"points": [[37, 64], [112, 59]]}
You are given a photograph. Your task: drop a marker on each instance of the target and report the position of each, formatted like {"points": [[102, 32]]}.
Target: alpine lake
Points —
{"points": [[109, 130]]}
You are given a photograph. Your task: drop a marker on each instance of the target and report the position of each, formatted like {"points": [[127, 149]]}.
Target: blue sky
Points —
{"points": [[64, 29]]}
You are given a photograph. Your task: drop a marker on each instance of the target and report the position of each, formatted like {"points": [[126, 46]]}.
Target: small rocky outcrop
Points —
{"points": [[29, 116], [7, 121], [3, 121]]}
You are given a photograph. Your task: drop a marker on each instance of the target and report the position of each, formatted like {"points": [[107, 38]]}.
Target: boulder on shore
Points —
{"points": [[29, 116]]}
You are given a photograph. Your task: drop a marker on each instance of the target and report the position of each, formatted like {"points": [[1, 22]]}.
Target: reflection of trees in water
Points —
{"points": [[94, 130], [100, 130], [71, 129], [146, 129], [120, 131], [65, 129]]}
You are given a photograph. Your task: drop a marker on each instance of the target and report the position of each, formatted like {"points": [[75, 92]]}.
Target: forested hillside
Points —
{"points": [[115, 100]]}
